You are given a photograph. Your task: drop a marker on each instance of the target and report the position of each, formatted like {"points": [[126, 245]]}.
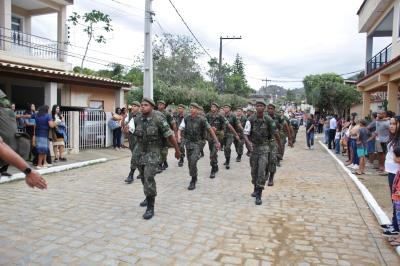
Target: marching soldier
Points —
{"points": [[204, 141], [240, 143], [295, 124], [286, 132], [161, 105], [258, 132], [230, 135], [179, 118], [218, 123], [151, 127], [130, 129], [195, 128]]}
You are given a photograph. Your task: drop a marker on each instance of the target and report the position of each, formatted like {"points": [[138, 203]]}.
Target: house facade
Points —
{"points": [[377, 19], [34, 69]]}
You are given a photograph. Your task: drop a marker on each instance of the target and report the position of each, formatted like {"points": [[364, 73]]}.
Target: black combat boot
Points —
{"points": [[239, 158], [129, 179], [165, 166], [254, 192], [227, 166], [150, 209], [144, 203], [192, 184], [248, 154], [271, 179], [181, 160], [160, 168], [258, 196], [213, 171], [201, 153]]}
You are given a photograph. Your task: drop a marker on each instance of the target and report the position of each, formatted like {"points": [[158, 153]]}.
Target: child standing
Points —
{"points": [[362, 145]]}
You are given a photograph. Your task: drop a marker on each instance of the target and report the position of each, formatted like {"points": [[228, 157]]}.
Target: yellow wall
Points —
{"points": [[80, 96]]}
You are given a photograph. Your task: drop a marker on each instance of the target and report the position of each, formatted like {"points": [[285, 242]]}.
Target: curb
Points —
{"points": [[55, 169], [380, 215]]}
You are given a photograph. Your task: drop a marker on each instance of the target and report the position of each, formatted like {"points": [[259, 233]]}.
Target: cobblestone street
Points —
{"points": [[314, 215]]}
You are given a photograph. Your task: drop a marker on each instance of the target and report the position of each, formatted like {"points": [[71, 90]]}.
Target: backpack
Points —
{"points": [[19, 142]]}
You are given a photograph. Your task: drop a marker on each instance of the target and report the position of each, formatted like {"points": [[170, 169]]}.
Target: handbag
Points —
{"points": [[113, 124]]}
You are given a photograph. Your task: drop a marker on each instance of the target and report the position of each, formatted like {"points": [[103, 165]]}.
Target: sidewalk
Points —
{"points": [[377, 184]]}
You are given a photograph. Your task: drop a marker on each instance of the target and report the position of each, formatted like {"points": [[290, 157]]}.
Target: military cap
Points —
{"points": [[239, 108], [2, 94], [161, 101], [251, 109], [136, 103], [216, 104], [272, 105], [195, 105], [148, 100], [227, 105], [182, 106], [261, 102], [201, 108]]}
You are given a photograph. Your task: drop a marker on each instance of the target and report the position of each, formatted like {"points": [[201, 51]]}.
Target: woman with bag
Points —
{"points": [[115, 126], [60, 134]]}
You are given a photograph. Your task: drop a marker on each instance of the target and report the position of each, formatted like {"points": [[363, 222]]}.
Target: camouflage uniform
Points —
{"points": [[279, 122], [164, 150], [219, 122], [283, 135], [240, 143], [150, 132], [229, 136], [260, 135], [294, 123], [195, 130]]}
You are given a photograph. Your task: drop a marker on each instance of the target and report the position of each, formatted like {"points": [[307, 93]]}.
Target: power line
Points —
{"points": [[358, 71], [191, 32]]}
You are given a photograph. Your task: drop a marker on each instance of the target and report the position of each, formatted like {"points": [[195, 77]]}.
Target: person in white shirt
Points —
{"points": [[332, 132], [129, 128]]}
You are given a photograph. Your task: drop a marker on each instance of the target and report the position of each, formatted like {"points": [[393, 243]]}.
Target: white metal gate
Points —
{"points": [[92, 129]]}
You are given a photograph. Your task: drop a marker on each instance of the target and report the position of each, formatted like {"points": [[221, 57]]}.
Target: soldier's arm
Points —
{"points": [[167, 133], [288, 132], [212, 133]]}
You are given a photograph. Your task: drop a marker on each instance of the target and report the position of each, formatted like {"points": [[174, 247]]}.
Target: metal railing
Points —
{"points": [[28, 44], [380, 59], [92, 129]]}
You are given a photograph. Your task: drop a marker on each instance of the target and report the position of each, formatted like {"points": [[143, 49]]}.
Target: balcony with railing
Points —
{"points": [[380, 59], [23, 44]]}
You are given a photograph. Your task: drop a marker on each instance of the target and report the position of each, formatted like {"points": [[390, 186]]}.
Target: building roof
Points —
{"points": [[59, 76], [361, 7]]}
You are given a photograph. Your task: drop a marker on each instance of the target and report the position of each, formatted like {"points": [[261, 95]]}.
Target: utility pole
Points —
{"points": [[220, 77], [148, 51], [266, 85]]}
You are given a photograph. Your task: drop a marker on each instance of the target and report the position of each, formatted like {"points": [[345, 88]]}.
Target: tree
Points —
{"points": [[290, 96], [329, 93], [235, 82], [89, 21]]}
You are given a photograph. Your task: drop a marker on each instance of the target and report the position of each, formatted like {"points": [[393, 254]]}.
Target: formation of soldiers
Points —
{"points": [[152, 132]]}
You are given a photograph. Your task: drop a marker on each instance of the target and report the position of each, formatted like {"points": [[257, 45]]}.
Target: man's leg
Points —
{"points": [[254, 170], [239, 148], [261, 177], [150, 189], [213, 158], [227, 150], [193, 155]]}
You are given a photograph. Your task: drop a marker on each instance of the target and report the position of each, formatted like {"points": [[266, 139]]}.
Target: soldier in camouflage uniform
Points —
{"points": [[240, 143], [286, 133], [151, 127], [218, 123], [204, 141], [5, 103], [178, 118], [195, 127], [161, 105], [258, 132], [130, 129], [230, 135], [250, 111]]}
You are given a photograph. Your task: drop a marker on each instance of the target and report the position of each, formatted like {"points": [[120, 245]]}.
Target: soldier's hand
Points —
{"points": [[218, 146], [34, 179], [251, 148], [177, 154], [237, 137], [179, 140]]}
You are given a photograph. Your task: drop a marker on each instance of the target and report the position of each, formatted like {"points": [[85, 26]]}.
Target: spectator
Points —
{"points": [[352, 149], [326, 130], [337, 140], [310, 127], [371, 141], [321, 123], [59, 142], [382, 137], [362, 145], [395, 189], [124, 114], [117, 131], [43, 122], [332, 131], [30, 123], [392, 167]]}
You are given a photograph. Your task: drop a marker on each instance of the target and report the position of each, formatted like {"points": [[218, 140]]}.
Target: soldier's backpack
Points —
{"points": [[19, 142]]}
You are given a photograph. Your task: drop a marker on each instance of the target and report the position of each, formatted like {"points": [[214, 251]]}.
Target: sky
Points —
{"points": [[281, 40]]}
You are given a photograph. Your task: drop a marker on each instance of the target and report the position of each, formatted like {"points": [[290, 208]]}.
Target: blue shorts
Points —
{"points": [[371, 146], [362, 152]]}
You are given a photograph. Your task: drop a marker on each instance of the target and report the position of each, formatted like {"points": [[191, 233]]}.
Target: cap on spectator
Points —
{"points": [[148, 100]]}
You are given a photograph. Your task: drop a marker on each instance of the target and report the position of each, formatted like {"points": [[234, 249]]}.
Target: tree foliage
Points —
{"points": [[90, 22], [329, 93]]}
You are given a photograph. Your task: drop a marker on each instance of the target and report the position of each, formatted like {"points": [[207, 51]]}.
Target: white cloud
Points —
{"points": [[283, 39]]}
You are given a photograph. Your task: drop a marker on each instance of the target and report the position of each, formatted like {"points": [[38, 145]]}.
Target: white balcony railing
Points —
{"points": [[24, 44]]}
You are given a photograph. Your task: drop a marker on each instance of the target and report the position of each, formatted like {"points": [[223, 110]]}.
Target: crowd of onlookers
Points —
{"points": [[46, 129], [372, 143]]}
